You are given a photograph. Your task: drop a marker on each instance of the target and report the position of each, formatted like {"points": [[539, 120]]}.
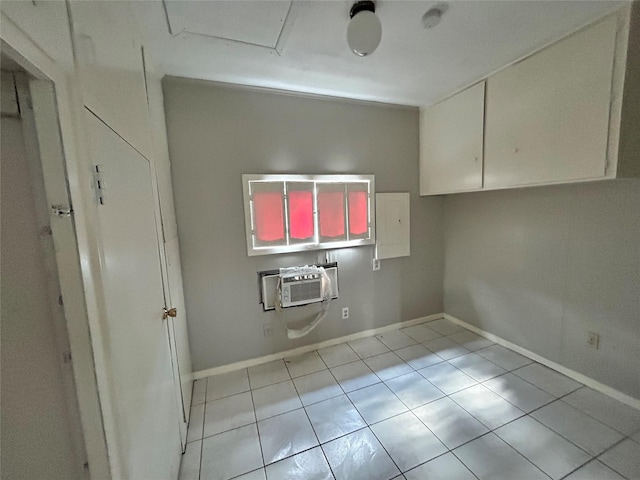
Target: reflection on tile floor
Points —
{"points": [[428, 401]]}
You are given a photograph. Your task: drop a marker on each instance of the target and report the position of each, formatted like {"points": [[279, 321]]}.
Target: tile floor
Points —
{"points": [[429, 401]]}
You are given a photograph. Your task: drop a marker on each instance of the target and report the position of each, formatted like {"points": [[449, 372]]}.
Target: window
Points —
{"points": [[292, 213]]}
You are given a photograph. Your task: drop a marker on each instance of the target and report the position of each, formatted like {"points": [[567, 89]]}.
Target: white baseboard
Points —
{"points": [[310, 348], [579, 377]]}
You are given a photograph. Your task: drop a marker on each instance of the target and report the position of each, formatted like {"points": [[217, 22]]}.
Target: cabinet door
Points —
{"points": [[451, 143], [548, 116], [109, 58]]}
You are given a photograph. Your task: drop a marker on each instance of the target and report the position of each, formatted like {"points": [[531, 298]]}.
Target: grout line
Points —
{"points": [[453, 366], [438, 456], [257, 429], [255, 422], [540, 388], [319, 445], [517, 406], [591, 456], [593, 459], [597, 457], [204, 411], [460, 460], [317, 346], [385, 449], [242, 474], [522, 455], [368, 425], [579, 466], [552, 430], [200, 462], [556, 367], [262, 386], [448, 449], [593, 417], [401, 413]]}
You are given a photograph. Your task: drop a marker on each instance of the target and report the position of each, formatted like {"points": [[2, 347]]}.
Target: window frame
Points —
{"points": [[253, 250]]}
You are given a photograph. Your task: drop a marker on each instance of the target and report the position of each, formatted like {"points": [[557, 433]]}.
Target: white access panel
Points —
{"points": [[392, 225], [109, 59], [47, 24], [451, 143], [255, 23], [547, 117]]}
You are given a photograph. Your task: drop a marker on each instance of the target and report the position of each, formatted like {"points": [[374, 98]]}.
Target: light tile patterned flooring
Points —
{"points": [[429, 401]]}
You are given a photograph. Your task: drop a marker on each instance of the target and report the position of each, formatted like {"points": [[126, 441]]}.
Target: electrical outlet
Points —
{"points": [[376, 264], [594, 340], [267, 329], [345, 313]]}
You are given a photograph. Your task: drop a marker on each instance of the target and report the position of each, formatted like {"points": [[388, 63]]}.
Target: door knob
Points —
{"points": [[172, 312]]}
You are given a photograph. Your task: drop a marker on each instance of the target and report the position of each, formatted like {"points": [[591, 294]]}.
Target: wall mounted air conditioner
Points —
{"points": [[296, 290]]}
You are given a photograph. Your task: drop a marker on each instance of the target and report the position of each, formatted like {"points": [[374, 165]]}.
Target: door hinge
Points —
{"points": [[61, 211], [100, 183]]}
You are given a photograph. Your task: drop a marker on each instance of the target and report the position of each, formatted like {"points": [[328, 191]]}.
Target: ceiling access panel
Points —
{"points": [[259, 23]]}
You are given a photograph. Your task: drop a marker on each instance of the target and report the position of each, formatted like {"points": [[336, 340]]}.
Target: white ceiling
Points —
{"points": [[301, 45]]}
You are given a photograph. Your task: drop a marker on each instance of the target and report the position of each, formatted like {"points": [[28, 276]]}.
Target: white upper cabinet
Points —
{"points": [[109, 60], [568, 113], [547, 117], [451, 143]]}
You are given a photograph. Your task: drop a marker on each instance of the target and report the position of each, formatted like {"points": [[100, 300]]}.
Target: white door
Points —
{"points": [[146, 413]]}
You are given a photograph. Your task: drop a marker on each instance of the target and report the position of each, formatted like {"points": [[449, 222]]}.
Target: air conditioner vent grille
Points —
{"points": [[306, 291]]}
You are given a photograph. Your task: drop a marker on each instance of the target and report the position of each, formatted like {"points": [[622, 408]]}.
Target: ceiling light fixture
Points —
{"points": [[365, 30]]}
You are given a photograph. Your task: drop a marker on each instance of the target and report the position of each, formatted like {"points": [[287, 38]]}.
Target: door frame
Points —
{"points": [[168, 244], [67, 179], [134, 190], [42, 147]]}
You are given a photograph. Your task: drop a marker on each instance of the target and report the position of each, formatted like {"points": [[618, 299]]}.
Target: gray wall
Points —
{"points": [[542, 267], [216, 133]]}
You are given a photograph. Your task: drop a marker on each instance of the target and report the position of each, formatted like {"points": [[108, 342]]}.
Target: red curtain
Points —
{"points": [[331, 210], [300, 214], [358, 213], [269, 217]]}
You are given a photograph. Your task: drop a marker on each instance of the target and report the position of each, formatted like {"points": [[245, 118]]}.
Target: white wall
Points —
{"points": [[542, 267], [217, 133], [36, 427]]}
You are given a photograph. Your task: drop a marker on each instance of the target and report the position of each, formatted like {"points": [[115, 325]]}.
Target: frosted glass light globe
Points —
{"points": [[364, 33]]}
